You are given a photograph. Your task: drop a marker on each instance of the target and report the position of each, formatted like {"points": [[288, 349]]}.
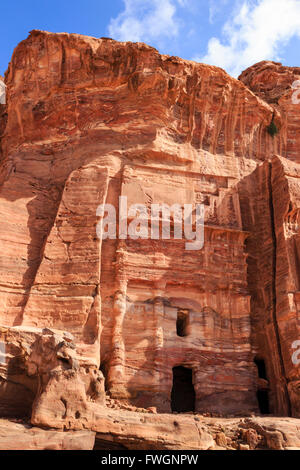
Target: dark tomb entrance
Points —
{"points": [[263, 401], [263, 392], [261, 368], [183, 393]]}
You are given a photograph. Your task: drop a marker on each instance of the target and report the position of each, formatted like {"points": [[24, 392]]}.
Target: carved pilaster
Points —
{"points": [[116, 373]]}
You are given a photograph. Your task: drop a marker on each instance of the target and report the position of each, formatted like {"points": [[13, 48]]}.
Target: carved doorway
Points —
{"points": [[183, 392]]}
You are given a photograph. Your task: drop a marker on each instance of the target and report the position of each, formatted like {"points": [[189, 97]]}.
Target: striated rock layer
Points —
{"points": [[87, 121]]}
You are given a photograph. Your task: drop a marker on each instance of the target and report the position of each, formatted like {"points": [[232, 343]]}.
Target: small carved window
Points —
{"points": [[182, 322]]}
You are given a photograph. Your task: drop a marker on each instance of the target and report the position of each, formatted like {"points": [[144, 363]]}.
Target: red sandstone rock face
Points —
{"points": [[88, 120], [278, 232], [273, 83]]}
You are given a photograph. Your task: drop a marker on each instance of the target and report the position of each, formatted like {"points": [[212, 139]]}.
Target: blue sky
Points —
{"points": [[232, 34]]}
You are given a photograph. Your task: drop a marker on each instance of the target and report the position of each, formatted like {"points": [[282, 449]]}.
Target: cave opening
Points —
{"points": [[263, 401], [183, 392], [182, 322]]}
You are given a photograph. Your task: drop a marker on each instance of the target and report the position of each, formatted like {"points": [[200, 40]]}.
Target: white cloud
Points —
{"points": [[257, 31], [146, 20]]}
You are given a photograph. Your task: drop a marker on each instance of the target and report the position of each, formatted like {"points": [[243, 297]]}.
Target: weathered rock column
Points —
{"points": [[116, 373], [158, 314]]}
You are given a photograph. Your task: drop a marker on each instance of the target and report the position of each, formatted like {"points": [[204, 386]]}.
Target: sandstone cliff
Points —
{"points": [[86, 121]]}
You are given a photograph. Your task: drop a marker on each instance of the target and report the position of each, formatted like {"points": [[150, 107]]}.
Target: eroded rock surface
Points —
{"points": [[18, 436]]}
